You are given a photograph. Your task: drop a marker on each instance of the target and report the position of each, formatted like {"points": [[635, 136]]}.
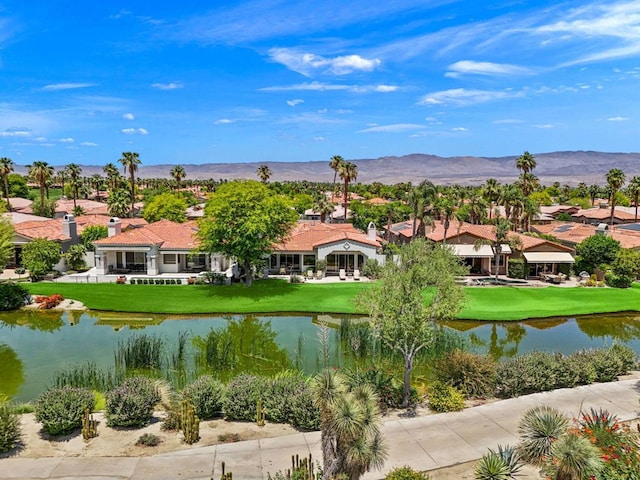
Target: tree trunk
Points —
{"points": [[248, 274], [408, 366]]}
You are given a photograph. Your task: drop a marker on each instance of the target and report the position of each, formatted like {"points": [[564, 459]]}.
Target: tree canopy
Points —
{"points": [[6, 241], [166, 206], [40, 255], [243, 219], [595, 251]]}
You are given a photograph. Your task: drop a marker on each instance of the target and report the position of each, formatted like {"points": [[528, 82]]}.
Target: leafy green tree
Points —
{"points": [[596, 250], [351, 437], [75, 256], [627, 263], [615, 179], [6, 167], [400, 316], [18, 186], [118, 202], [40, 255], [166, 206], [243, 219], [6, 241], [92, 233]]}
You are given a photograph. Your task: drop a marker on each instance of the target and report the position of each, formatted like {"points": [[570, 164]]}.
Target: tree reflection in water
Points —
{"points": [[11, 373], [501, 347], [617, 327]]}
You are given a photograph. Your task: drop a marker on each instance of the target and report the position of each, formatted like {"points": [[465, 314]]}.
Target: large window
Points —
{"points": [[136, 261], [169, 258]]}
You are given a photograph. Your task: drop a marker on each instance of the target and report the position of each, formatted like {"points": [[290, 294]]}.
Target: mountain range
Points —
{"points": [[566, 167]]}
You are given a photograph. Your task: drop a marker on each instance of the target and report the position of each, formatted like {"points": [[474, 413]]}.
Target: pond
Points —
{"points": [[35, 345]]}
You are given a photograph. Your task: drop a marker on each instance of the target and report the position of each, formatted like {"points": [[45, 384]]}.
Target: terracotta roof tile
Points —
{"points": [[307, 236], [166, 234]]}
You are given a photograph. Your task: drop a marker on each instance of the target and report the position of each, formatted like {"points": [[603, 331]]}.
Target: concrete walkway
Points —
{"points": [[425, 443]]}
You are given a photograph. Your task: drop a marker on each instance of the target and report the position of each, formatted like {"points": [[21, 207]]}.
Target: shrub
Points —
{"points": [[406, 473], [626, 355], [472, 374], [528, 373], [10, 431], [372, 269], [501, 465], [445, 398], [148, 440], [607, 366], [60, 410], [288, 399], [539, 428], [516, 268], [13, 296], [49, 302], [243, 393], [389, 393], [206, 395], [132, 403], [618, 281], [573, 370]]}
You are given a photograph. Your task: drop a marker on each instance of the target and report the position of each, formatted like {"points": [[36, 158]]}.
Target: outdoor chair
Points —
{"points": [[310, 274], [319, 275], [356, 275], [342, 274]]}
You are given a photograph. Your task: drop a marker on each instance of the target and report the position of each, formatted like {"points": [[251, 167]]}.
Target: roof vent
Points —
{"points": [[602, 229]]}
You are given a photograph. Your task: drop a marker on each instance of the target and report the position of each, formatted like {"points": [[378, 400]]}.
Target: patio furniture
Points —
{"points": [[310, 274], [319, 275], [356, 275], [342, 274]]}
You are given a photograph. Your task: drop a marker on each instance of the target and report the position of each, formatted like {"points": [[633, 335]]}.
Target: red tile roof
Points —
{"points": [[598, 213], [574, 233], [51, 228], [307, 236], [166, 234]]}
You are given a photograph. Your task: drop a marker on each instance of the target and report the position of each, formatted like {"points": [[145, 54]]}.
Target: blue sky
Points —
{"points": [[274, 80]]}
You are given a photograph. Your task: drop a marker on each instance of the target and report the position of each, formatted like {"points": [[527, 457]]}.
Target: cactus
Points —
{"points": [[89, 425], [259, 413], [226, 476], [190, 423]]}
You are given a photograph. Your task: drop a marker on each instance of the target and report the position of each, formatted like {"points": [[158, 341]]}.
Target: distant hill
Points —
{"points": [[564, 167]]}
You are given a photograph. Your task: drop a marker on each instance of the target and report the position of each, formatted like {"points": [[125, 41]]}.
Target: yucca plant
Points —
{"points": [[539, 428], [574, 457], [501, 465]]}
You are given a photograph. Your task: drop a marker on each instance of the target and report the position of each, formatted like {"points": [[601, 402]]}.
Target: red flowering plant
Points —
{"points": [[48, 302]]}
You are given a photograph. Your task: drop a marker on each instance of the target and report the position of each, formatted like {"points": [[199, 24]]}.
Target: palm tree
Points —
{"points": [[118, 202], [594, 191], [41, 173], [335, 164], [113, 175], [264, 173], [447, 210], [615, 179], [528, 182], [73, 171], [633, 189], [130, 162], [6, 168], [323, 206], [491, 193], [477, 207], [348, 172], [526, 162], [421, 199], [97, 182], [178, 173]]}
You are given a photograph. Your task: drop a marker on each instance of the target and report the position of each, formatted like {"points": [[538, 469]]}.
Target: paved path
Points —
{"points": [[426, 443]]}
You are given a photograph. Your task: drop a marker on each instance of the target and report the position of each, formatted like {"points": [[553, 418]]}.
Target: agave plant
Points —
{"points": [[501, 465], [539, 428]]}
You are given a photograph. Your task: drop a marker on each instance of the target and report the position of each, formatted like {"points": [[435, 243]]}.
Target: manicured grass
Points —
{"points": [[270, 296], [264, 296]]}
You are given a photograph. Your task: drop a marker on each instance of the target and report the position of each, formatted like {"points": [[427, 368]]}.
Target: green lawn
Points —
{"points": [[269, 296]]}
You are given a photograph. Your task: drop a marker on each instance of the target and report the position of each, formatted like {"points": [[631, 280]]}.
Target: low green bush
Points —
{"points": [[607, 365], [444, 398], [529, 373], [516, 268], [618, 281], [60, 410], [206, 395], [406, 473], [304, 412], [288, 399], [389, 392], [10, 430], [131, 404], [372, 269], [13, 296], [572, 370], [474, 375], [626, 355], [243, 393]]}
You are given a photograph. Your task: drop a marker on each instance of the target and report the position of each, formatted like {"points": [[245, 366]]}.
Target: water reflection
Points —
{"points": [[619, 327], [11, 371], [44, 320]]}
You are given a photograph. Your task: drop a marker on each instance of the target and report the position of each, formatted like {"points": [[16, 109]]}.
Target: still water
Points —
{"points": [[34, 345]]}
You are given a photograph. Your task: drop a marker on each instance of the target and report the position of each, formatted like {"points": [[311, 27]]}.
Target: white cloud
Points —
{"points": [[393, 128], [294, 102], [88, 144], [319, 139], [542, 125], [128, 116], [506, 121], [167, 86], [66, 140], [313, 86], [469, 67], [617, 119], [308, 63], [66, 86], [224, 121], [16, 132], [463, 97], [385, 88], [134, 131], [459, 129]]}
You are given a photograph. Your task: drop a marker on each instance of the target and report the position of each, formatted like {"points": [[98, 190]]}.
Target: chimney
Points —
{"points": [[114, 227], [372, 233], [70, 228], [602, 229]]}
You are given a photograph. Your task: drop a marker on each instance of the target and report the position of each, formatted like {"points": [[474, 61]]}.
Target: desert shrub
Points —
{"points": [[206, 395], [617, 281], [243, 393], [503, 464], [406, 473], [60, 410], [516, 268], [148, 440], [288, 399], [389, 393], [10, 431], [304, 411], [444, 398], [12, 296], [131, 404], [372, 269], [626, 355], [607, 366], [474, 375], [538, 429], [528, 373], [573, 370]]}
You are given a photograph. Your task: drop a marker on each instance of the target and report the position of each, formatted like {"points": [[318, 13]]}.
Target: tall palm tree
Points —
{"points": [[6, 168], [130, 162], [41, 173], [491, 193], [118, 202], [335, 164], [323, 206], [615, 179], [348, 172], [178, 173], [526, 163], [594, 191], [264, 173], [421, 199], [113, 175], [447, 209], [74, 170], [477, 207], [633, 189], [97, 182]]}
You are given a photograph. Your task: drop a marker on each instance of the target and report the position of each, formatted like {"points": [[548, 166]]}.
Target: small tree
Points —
{"points": [[6, 242], [595, 251], [166, 206], [92, 233], [400, 315], [75, 256], [40, 255]]}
